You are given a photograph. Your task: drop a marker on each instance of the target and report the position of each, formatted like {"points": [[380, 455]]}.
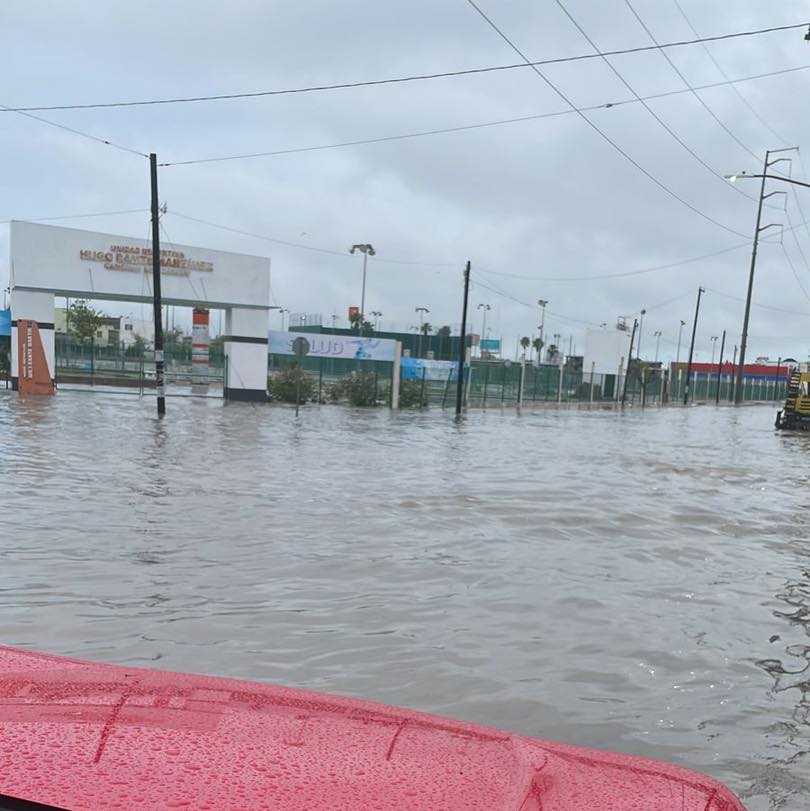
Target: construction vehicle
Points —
{"points": [[795, 416]]}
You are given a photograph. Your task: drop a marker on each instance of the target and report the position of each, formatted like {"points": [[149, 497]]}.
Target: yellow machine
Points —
{"points": [[796, 413]]}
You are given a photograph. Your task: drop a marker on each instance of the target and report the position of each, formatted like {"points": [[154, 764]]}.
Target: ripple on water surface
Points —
{"points": [[636, 582]]}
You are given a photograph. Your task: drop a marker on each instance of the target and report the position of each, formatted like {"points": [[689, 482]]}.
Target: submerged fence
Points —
{"points": [[117, 364], [487, 384]]}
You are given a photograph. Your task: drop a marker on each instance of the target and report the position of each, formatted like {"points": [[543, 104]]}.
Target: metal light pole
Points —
{"points": [[738, 392], [701, 291], [367, 250], [421, 311], [640, 327], [542, 304], [720, 368], [377, 316], [284, 311], [680, 332], [486, 308], [713, 339], [658, 335]]}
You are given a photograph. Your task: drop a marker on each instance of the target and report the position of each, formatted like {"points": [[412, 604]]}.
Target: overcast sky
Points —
{"points": [[542, 198]]}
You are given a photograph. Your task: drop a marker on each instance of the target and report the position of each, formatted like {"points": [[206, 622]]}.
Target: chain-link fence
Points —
{"points": [[87, 362], [329, 380], [704, 388]]}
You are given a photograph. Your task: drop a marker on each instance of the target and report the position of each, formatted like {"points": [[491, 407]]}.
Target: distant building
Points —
{"points": [[112, 330]]}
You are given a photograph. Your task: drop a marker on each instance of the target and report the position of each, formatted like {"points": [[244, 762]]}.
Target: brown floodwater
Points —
{"points": [[637, 582]]}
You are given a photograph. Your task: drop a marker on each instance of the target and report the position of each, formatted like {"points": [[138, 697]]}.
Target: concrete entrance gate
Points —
{"points": [[49, 261]]}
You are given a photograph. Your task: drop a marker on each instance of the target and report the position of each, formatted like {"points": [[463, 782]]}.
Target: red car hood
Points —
{"points": [[79, 735]]}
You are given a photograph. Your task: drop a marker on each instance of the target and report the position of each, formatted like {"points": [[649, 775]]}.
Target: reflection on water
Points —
{"points": [[635, 582]]}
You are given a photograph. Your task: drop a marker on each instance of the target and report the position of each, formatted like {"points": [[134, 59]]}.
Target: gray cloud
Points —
{"points": [[539, 198]]}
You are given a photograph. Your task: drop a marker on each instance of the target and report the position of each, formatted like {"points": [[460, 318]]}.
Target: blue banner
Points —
{"points": [[418, 369], [490, 345], [5, 322]]}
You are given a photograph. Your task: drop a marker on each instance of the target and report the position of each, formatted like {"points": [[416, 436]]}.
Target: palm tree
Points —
{"points": [[525, 342], [538, 347], [426, 328]]}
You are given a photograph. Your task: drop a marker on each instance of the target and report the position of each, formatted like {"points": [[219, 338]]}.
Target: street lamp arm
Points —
{"points": [[734, 178]]}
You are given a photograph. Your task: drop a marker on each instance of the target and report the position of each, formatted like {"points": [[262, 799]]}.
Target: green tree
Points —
{"points": [[136, 348], [84, 320], [426, 328], [354, 323], [444, 332], [538, 347], [525, 342], [290, 384]]}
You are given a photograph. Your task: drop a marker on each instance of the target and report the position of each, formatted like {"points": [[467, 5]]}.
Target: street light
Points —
{"points": [[738, 393], [658, 335], [714, 339], [421, 311], [541, 302], [640, 327], [486, 308], [377, 316], [680, 332], [367, 250]]}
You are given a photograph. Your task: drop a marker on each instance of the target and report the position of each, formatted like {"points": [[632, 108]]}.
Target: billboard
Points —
{"points": [[5, 322], [606, 349], [87, 264], [490, 344], [418, 369], [332, 346]]}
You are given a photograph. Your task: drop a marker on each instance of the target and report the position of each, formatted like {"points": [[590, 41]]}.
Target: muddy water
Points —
{"points": [[637, 582]]}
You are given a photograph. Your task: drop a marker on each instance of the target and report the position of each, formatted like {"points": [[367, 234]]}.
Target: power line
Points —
{"points": [[80, 216], [761, 306], [480, 125], [302, 246], [96, 138], [663, 124], [533, 307], [722, 72], [621, 274], [793, 271], [400, 79], [686, 82], [599, 131]]}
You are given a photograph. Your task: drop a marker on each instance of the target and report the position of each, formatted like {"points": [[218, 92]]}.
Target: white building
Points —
{"points": [[112, 329]]}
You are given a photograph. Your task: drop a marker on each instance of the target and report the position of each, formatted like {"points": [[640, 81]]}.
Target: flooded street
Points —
{"points": [[635, 582]]}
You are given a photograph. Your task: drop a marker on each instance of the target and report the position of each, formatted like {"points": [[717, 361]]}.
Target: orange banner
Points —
{"points": [[33, 374]]}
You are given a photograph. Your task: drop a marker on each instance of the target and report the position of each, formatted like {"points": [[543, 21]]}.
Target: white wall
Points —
{"points": [[605, 348], [83, 264]]}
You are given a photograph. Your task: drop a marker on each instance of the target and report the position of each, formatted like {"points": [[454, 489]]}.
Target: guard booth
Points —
{"points": [[49, 261]]}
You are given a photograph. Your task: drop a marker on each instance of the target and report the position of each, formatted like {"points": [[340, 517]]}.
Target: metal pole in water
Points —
{"points": [[629, 361], [157, 304], [462, 348], [692, 347], [720, 368]]}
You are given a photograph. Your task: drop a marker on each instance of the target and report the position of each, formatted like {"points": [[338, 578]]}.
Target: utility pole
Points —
{"points": [[692, 347], [462, 348], [157, 308], [720, 368], [658, 335], [640, 327], [738, 392], [714, 340], [629, 360], [733, 368]]}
